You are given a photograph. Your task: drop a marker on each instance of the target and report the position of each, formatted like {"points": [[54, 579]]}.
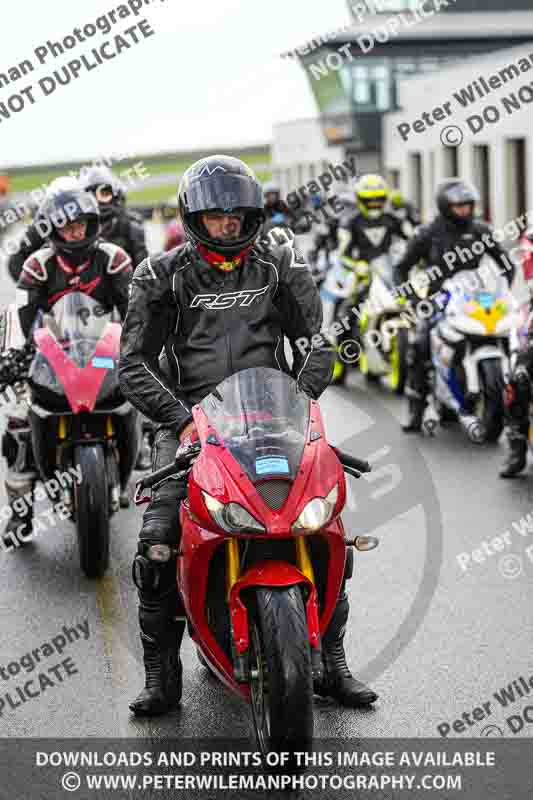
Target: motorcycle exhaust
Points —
{"points": [[473, 427]]}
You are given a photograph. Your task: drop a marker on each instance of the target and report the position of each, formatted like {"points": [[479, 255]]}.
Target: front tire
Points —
{"points": [[282, 684], [92, 510], [489, 408]]}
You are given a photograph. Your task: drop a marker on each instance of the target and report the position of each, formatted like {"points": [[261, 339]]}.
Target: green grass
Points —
{"points": [[159, 194], [180, 165], [25, 181]]}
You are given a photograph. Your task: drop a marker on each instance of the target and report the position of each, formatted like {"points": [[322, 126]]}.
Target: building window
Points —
{"points": [[371, 86], [450, 162], [415, 177], [394, 178], [432, 172], [382, 6], [516, 177], [389, 6], [482, 178]]}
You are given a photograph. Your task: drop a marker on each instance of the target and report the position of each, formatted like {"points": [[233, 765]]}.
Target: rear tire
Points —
{"points": [[92, 510], [490, 406], [282, 691]]}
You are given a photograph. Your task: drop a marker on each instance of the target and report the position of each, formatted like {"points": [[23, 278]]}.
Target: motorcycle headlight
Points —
{"points": [[232, 517], [317, 512]]}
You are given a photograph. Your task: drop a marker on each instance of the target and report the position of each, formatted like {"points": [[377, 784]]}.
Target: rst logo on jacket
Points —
{"points": [[228, 299]]}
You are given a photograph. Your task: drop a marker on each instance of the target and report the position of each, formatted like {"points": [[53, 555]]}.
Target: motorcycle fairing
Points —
{"points": [[81, 384]]}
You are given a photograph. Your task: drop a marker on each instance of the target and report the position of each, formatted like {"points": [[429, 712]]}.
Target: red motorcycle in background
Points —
{"points": [[263, 548], [78, 417]]}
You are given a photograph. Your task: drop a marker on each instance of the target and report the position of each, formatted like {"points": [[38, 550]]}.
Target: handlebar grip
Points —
{"points": [[181, 462], [155, 477], [354, 463]]}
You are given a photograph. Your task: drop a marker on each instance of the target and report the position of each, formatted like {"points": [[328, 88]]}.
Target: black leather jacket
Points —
{"points": [[47, 276], [125, 230], [440, 238], [213, 324]]}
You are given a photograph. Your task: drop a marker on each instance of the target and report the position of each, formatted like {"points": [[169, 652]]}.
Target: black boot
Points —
{"points": [[415, 415], [516, 458], [124, 498], [19, 528], [164, 674], [338, 682]]}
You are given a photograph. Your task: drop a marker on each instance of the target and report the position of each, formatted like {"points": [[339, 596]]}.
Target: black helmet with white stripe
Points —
{"points": [[226, 185]]}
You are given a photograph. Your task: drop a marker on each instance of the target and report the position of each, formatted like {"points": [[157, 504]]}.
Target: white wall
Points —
{"points": [[425, 93], [298, 149]]}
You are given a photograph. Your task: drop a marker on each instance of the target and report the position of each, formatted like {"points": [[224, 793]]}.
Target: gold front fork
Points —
{"points": [[233, 567], [232, 564], [303, 560]]}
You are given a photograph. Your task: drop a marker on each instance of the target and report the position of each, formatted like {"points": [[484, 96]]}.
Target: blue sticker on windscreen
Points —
{"points": [[103, 362], [271, 465], [486, 300]]}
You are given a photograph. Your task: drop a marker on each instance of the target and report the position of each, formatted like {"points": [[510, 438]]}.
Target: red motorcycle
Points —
{"points": [[263, 548], [79, 421]]}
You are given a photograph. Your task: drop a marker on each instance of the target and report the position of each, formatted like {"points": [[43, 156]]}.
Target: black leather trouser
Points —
{"points": [[156, 581], [418, 360], [518, 394]]}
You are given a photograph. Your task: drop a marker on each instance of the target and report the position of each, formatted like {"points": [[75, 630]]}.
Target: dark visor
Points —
{"points": [[222, 191]]}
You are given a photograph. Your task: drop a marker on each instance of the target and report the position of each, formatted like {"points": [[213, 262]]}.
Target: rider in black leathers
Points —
{"points": [[363, 235], [445, 246], [517, 394], [125, 229], [218, 304], [119, 225], [36, 234], [81, 263]]}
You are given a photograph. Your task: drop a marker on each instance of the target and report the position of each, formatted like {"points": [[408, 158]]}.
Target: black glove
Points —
{"points": [[15, 364]]}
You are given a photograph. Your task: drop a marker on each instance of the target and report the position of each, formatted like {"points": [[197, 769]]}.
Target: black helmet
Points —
{"points": [[454, 191], [225, 184], [97, 178], [64, 208], [272, 188]]}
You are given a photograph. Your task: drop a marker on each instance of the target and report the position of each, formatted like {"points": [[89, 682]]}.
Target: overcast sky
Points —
{"points": [[211, 75]]}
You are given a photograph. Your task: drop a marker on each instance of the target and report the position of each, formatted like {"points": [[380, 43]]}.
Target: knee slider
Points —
{"points": [[154, 566]]}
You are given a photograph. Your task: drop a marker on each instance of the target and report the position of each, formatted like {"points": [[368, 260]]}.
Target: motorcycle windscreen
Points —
{"points": [[77, 351], [262, 417], [484, 284]]}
